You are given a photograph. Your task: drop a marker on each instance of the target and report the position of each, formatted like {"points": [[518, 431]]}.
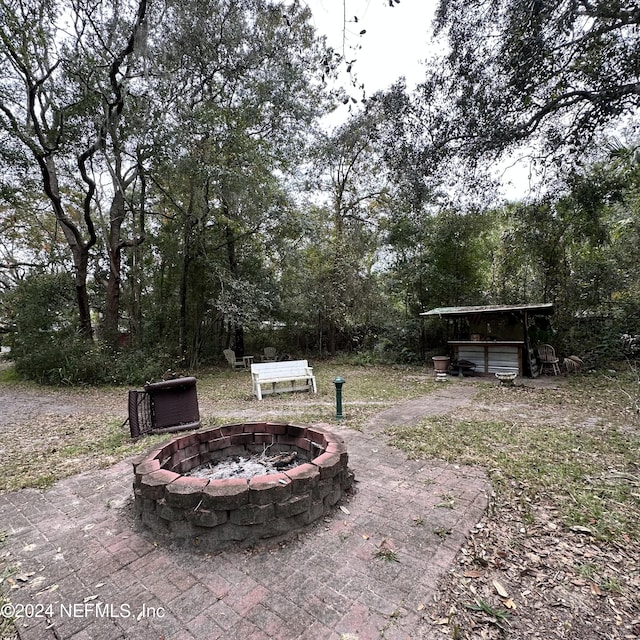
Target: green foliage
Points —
{"points": [[228, 215], [387, 554], [42, 315], [59, 361], [9, 375], [555, 70], [76, 361], [130, 366], [41, 304], [214, 187], [440, 257], [47, 348]]}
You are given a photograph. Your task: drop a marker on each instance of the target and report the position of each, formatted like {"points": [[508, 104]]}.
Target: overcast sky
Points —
{"points": [[395, 42]]}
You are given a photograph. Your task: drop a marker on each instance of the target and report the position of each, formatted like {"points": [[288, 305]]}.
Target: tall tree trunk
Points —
{"points": [[332, 331], [337, 277], [79, 248], [114, 249], [81, 261], [238, 329], [136, 271], [184, 285], [118, 76]]}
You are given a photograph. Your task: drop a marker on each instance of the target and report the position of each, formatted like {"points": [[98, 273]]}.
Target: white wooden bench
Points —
{"points": [[278, 377]]}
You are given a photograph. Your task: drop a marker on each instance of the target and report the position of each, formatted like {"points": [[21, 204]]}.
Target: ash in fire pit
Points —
{"points": [[257, 465], [181, 498]]}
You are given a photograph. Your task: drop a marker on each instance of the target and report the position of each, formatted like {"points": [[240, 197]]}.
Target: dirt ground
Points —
{"points": [[522, 573], [517, 578]]}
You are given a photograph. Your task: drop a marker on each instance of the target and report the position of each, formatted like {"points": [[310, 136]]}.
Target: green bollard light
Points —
{"points": [[338, 382]]}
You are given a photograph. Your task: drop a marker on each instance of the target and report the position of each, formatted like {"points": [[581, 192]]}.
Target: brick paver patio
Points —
{"points": [[84, 572]]}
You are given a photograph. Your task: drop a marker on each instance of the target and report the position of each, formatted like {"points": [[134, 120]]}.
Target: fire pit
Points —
{"points": [[179, 497]]}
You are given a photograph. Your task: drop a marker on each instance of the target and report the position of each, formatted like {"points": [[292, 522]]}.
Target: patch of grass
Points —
{"points": [[368, 384], [611, 584], [376, 384], [585, 394], [499, 617], [46, 448], [64, 446], [9, 375], [448, 502], [567, 465], [588, 570], [367, 390], [386, 553]]}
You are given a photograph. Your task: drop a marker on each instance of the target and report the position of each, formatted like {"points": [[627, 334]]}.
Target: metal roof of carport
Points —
{"points": [[545, 308]]}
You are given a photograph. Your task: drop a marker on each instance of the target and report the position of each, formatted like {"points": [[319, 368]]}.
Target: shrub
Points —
{"points": [[47, 348]]}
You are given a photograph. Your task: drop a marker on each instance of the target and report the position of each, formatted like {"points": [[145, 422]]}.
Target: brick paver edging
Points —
{"points": [[212, 514]]}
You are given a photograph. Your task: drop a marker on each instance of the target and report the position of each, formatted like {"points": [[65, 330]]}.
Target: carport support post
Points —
{"points": [[339, 382]]}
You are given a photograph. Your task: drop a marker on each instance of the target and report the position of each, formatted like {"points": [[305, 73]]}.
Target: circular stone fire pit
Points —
{"points": [[212, 514]]}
